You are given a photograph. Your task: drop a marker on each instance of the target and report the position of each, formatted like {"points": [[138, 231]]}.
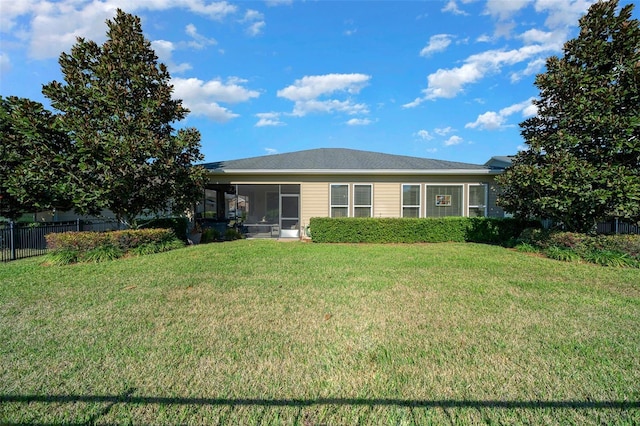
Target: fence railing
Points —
{"points": [[18, 241], [617, 227], [613, 226]]}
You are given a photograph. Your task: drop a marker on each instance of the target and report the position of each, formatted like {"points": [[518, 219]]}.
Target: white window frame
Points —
{"points": [[419, 205], [331, 205], [463, 212], [486, 198], [370, 206]]}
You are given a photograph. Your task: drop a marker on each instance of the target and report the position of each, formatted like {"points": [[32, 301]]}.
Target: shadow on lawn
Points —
{"points": [[127, 398]]}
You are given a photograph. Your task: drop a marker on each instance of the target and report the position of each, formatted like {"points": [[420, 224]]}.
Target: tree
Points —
{"points": [[117, 107], [582, 164], [34, 172]]}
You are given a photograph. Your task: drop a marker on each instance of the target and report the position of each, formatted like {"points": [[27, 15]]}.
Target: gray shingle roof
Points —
{"points": [[338, 159]]}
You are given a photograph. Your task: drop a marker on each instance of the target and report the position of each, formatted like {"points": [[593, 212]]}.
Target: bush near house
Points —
{"points": [[72, 247], [179, 225], [417, 230], [605, 250]]}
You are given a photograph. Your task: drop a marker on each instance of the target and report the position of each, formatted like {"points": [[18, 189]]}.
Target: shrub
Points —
{"points": [[179, 225], [526, 248], [415, 230], [501, 231], [610, 258], [535, 236], [232, 234], [561, 253], [101, 254], [61, 257], [210, 235], [100, 246]]}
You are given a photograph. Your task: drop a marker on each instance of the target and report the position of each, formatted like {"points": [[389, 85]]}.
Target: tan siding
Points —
{"points": [[387, 190], [314, 200], [386, 199]]}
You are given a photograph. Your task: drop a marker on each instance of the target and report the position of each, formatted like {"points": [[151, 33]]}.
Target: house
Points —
{"points": [[277, 195], [500, 161]]}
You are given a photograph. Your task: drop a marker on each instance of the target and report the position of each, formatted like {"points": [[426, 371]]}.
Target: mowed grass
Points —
{"points": [[267, 332]]}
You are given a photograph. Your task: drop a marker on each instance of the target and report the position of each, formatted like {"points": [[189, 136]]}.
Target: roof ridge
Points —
{"points": [[338, 159]]}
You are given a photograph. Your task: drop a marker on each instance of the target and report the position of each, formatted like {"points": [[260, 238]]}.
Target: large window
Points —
{"points": [[339, 200], [410, 200], [477, 200], [362, 201], [444, 200]]}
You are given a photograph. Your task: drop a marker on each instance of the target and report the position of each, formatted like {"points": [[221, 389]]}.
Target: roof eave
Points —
{"points": [[446, 172]]}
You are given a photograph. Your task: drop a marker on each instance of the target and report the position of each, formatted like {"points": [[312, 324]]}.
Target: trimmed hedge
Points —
{"points": [[71, 247], [416, 230]]}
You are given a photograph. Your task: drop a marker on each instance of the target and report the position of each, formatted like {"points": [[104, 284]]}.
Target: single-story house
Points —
{"points": [[277, 195]]}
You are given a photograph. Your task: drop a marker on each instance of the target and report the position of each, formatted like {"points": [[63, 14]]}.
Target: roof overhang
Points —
{"points": [[388, 172]]}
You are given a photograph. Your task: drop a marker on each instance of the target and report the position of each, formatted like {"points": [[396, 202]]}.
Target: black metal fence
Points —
{"points": [[18, 241], [618, 227]]}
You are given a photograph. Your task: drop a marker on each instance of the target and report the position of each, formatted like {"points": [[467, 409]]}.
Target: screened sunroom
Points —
{"points": [[259, 210]]}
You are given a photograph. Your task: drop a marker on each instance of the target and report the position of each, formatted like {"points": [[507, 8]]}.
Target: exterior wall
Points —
{"points": [[387, 197], [314, 200], [387, 190]]}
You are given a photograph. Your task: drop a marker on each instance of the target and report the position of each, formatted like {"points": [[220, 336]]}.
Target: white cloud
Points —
{"points": [[452, 7], [256, 22], [437, 43], [448, 83], [424, 135], [530, 110], [443, 131], [272, 3], [164, 49], [54, 25], [256, 28], [453, 140], [302, 108], [359, 122], [271, 151], [562, 13], [269, 119], [310, 87], [199, 41], [202, 97], [305, 94], [492, 120], [5, 63], [503, 10]]}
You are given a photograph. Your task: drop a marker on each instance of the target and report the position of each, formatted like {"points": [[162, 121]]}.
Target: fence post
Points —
{"points": [[12, 240], [78, 225], [616, 226]]}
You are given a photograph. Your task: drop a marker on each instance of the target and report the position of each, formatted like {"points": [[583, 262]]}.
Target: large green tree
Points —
{"points": [[582, 164], [117, 106], [36, 165]]}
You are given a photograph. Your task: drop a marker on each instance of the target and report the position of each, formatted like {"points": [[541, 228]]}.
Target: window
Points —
{"points": [[444, 200], [362, 200], [477, 200], [339, 200], [410, 200]]}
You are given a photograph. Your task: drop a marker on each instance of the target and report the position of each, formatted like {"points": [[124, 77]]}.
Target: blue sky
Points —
{"points": [[447, 79]]}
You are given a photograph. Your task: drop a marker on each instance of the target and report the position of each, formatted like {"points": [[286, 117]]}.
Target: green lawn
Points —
{"points": [[267, 332]]}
